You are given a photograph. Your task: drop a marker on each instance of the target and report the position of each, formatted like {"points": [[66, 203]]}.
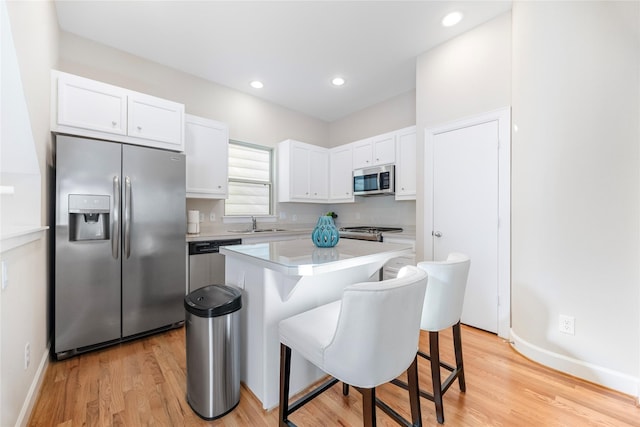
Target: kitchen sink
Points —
{"points": [[258, 230]]}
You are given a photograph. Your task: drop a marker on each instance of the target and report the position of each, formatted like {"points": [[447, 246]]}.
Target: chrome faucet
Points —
{"points": [[254, 223]]}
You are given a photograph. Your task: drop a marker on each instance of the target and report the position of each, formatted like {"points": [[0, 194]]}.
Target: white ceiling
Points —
{"points": [[294, 47]]}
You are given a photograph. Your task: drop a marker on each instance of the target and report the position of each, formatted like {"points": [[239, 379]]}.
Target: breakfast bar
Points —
{"points": [[284, 278]]}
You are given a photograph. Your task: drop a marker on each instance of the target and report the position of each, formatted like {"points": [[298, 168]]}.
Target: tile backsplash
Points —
{"points": [[379, 211]]}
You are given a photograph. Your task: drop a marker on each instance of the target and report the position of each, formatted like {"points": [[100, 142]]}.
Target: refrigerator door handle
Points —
{"points": [[115, 232], [127, 216]]}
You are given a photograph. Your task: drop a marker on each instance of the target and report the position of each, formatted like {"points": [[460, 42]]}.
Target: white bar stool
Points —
{"points": [[366, 339], [442, 309]]}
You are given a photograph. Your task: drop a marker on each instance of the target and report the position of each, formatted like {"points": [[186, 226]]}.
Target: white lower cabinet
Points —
{"points": [[207, 158], [392, 267]]}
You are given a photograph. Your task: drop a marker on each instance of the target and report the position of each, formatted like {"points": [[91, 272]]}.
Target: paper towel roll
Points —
{"points": [[193, 217]]}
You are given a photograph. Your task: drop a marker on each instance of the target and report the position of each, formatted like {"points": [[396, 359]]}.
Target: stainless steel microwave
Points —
{"points": [[374, 180]]}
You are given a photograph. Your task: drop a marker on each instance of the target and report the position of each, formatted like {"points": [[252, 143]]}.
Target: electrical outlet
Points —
{"points": [[27, 355], [567, 324], [212, 217]]}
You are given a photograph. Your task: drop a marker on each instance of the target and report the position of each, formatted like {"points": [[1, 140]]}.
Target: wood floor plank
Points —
{"points": [[143, 382]]}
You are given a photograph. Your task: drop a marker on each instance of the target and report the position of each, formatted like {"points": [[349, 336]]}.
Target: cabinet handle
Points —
{"points": [[114, 124], [139, 128], [220, 186]]}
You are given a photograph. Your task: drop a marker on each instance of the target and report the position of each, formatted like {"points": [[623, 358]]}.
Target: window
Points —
{"points": [[250, 180]]}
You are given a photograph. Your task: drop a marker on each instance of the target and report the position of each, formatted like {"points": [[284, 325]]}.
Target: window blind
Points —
{"points": [[249, 180]]}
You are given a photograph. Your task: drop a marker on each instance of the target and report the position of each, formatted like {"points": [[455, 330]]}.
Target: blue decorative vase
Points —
{"points": [[325, 235]]}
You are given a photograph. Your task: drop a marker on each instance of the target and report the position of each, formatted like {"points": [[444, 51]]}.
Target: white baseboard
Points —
{"points": [[588, 371], [32, 394]]}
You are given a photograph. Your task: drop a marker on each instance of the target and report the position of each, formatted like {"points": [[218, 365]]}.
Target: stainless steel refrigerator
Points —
{"points": [[119, 244]]}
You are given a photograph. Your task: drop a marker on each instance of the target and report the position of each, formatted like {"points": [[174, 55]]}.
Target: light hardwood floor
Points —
{"points": [[142, 383]]}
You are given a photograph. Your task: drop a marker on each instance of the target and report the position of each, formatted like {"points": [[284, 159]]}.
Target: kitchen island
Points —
{"points": [[284, 278]]}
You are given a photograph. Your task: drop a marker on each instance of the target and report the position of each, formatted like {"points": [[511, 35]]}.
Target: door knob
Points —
{"points": [[436, 234]]}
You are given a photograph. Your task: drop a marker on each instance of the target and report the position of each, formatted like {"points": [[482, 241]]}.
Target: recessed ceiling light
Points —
{"points": [[337, 81], [256, 84], [451, 19]]}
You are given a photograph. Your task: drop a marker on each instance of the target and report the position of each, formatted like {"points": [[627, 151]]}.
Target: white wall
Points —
{"points": [[394, 113], [576, 187], [23, 305], [468, 75]]}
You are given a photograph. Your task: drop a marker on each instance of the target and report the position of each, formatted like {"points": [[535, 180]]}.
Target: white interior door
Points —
{"points": [[465, 213]]}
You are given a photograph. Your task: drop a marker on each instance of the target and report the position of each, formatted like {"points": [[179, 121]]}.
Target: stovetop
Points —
{"points": [[371, 229], [367, 232]]}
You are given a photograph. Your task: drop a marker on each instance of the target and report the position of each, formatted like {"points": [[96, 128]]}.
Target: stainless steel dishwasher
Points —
{"points": [[206, 263]]}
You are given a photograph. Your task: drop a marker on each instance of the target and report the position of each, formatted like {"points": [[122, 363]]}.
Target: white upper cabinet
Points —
{"points": [[319, 173], [377, 150], [85, 107], [207, 158], [155, 119], [302, 172], [91, 105], [406, 164], [341, 174]]}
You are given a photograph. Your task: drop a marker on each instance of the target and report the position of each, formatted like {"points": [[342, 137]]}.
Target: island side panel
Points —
{"points": [[249, 278]]}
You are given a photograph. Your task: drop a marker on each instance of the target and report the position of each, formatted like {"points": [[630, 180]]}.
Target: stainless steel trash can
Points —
{"points": [[213, 350]]}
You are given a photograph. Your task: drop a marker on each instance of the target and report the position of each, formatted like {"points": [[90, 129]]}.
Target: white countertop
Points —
{"points": [[218, 234], [302, 258], [225, 234]]}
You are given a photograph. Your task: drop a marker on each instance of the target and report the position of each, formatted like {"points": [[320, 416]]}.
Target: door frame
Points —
{"points": [[503, 117]]}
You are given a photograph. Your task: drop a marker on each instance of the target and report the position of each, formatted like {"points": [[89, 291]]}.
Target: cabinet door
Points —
{"points": [[299, 168], [87, 104], [384, 149], [362, 153], [406, 164], [341, 174], [207, 151], [156, 120], [318, 174]]}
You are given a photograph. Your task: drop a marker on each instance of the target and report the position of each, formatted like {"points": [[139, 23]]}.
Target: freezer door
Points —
{"points": [[86, 272], [154, 228]]}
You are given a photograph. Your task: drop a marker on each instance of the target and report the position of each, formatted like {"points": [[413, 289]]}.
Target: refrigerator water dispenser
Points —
{"points": [[89, 217]]}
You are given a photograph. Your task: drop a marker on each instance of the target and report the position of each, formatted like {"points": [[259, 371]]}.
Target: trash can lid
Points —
{"points": [[213, 301]]}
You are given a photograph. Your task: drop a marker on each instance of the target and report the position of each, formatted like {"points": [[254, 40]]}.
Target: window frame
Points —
{"points": [[269, 183]]}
